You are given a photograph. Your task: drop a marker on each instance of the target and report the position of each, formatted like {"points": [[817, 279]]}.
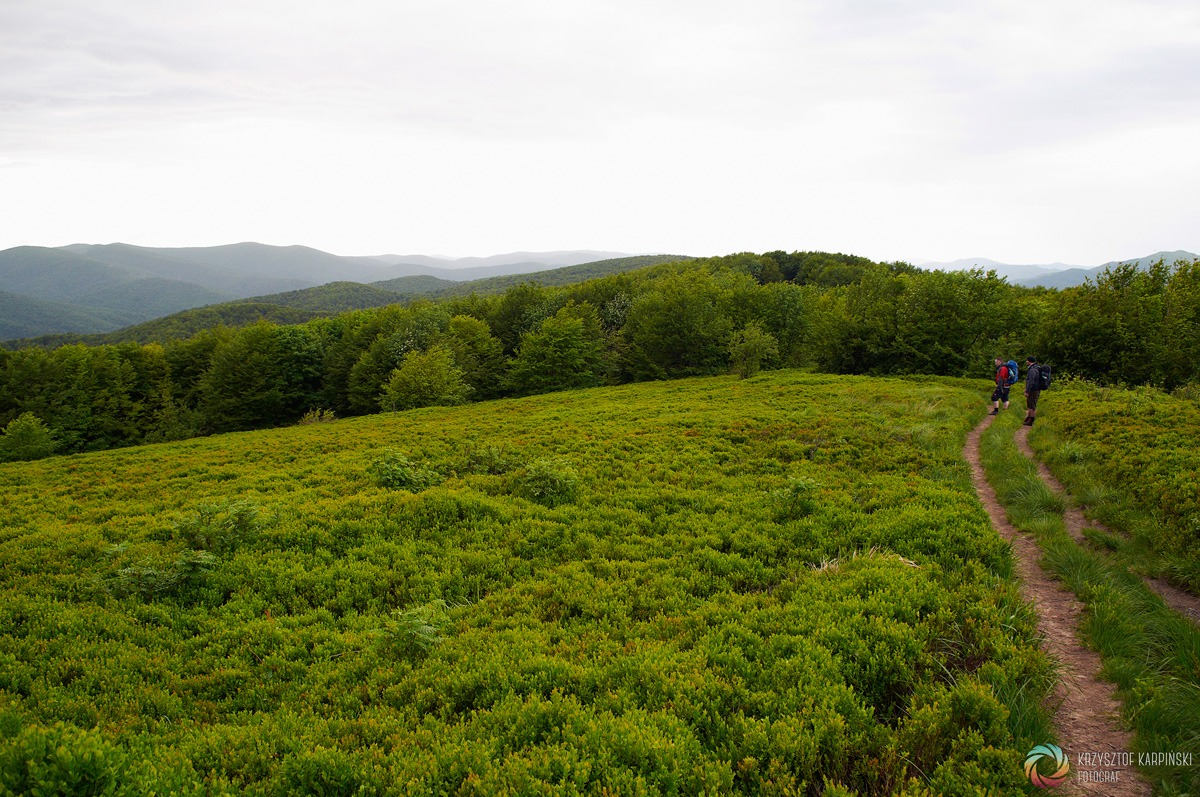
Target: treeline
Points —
{"points": [[836, 313], [1131, 327]]}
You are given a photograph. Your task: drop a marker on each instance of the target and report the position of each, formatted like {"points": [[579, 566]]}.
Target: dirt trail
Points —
{"points": [[1183, 602], [1088, 712]]}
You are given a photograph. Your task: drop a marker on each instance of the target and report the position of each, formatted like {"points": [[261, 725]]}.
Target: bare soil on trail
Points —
{"points": [[1182, 602], [1088, 712]]}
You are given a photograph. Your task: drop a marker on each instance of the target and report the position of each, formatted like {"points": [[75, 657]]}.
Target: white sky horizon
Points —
{"points": [[1023, 132]]}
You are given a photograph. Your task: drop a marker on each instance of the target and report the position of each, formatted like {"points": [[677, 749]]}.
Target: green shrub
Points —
{"points": [[322, 771], [317, 416], [149, 582], [565, 351], [411, 633], [796, 500], [26, 438], [488, 459], [191, 566], [142, 580], [1188, 392], [549, 482], [174, 421], [425, 379], [61, 759], [220, 527], [750, 349], [396, 472]]}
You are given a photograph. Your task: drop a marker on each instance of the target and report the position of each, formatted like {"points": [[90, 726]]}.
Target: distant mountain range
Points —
{"points": [[1053, 275], [91, 288], [77, 292]]}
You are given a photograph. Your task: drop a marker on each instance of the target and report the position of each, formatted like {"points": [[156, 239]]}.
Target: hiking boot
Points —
{"points": [[994, 412], [1027, 422]]}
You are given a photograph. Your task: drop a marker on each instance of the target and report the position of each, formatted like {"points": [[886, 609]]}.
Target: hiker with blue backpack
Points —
{"points": [[1006, 377], [1037, 379]]}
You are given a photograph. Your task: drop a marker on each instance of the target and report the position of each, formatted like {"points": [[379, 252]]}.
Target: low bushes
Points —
{"points": [[703, 586]]}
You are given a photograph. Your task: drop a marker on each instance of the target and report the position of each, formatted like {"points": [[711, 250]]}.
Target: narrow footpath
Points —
{"points": [[1182, 602], [1088, 712]]}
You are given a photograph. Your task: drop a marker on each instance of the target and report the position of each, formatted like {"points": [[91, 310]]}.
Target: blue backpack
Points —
{"points": [[1012, 373]]}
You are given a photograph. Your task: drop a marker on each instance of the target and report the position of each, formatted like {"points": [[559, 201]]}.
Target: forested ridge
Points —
{"points": [[830, 312], [23, 319]]}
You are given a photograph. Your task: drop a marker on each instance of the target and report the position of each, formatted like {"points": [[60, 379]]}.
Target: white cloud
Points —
{"points": [[891, 129]]}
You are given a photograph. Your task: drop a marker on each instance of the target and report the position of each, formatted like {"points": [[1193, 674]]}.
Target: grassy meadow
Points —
{"points": [[1150, 652], [779, 585], [1133, 459]]}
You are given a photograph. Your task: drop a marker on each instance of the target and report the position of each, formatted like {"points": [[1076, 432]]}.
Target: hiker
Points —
{"points": [[1033, 389], [1005, 377]]}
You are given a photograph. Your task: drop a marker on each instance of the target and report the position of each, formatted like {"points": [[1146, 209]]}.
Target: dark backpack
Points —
{"points": [[1043, 372], [1012, 373]]}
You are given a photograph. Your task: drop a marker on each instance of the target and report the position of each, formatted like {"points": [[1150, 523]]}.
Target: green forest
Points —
{"points": [[831, 313]]}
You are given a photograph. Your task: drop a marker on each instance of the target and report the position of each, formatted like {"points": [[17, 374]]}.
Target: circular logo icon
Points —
{"points": [[1054, 754]]}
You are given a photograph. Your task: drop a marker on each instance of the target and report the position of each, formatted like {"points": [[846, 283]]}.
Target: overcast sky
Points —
{"points": [[1026, 131]]}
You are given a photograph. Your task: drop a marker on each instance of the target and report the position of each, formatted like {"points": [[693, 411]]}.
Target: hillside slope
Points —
{"points": [[119, 285], [294, 307], [1072, 277], [463, 269], [24, 317], [706, 585], [239, 277], [58, 276], [86, 287], [567, 275]]}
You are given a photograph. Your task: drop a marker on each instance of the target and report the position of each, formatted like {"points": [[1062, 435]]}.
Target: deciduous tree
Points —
{"points": [[425, 379]]}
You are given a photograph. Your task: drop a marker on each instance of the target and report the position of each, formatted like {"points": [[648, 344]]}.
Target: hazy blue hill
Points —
{"points": [[471, 272], [1009, 271], [1076, 276], [187, 323], [336, 297], [294, 307], [112, 295], [24, 317], [1052, 275], [1148, 260], [1062, 279], [558, 276], [544, 260], [227, 279], [305, 266], [57, 275], [144, 283], [475, 268], [153, 297], [253, 269], [564, 276], [416, 285]]}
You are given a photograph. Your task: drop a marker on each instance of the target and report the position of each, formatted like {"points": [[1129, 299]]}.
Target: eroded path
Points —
{"points": [[1183, 602], [1088, 712]]}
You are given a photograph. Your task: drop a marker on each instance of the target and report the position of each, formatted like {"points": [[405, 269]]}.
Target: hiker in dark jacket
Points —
{"points": [[1033, 389]]}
